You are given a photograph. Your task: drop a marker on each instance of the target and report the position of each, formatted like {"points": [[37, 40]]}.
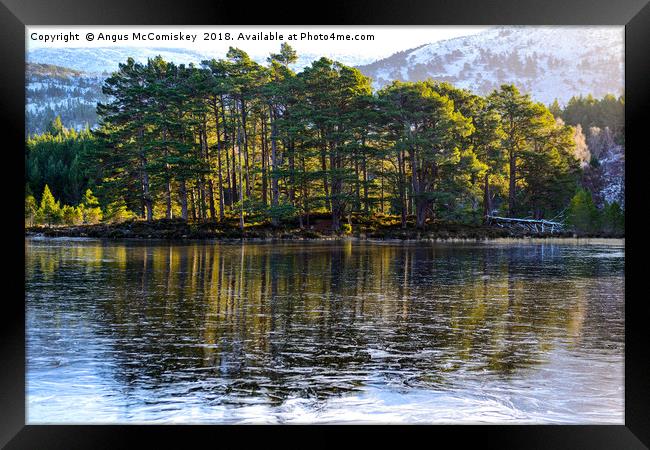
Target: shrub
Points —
{"points": [[582, 214], [71, 215], [282, 212], [613, 218], [117, 212]]}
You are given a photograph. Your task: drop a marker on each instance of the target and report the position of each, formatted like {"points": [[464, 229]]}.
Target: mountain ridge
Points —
{"points": [[547, 62]]}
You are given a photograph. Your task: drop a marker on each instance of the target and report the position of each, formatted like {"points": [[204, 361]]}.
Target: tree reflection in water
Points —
{"points": [[246, 323]]}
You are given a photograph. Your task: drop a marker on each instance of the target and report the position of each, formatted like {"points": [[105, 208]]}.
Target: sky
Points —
{"points": [[387, 39]]}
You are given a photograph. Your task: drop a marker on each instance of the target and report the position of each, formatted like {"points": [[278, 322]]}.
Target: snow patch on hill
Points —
{"points": [[104, 60], [547, 62]]}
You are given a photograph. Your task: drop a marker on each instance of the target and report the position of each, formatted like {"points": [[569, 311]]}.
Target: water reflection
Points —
{"points": [[163, 331]]}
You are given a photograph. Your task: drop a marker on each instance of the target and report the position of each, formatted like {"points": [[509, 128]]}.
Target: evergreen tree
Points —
{"points": [[126, 154], [90, 209], [235, 139], [332, 93], [555, 109], [613, 218], [49, 211], [541, 166], [582, 214], [117, 212], [56, 158], [429, 133], [71, 215], [30, 210], [483, 144]]}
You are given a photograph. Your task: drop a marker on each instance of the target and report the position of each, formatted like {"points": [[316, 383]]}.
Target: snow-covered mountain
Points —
{"points": [[67, 81], [59, 91], [104, 60], [547, 62]]}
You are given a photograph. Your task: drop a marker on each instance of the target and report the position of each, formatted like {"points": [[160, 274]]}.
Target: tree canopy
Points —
{"points": [[234, 138]]}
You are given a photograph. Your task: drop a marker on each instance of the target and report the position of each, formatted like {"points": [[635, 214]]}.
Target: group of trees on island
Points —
{"points": [[50, 211], [232, 138]]}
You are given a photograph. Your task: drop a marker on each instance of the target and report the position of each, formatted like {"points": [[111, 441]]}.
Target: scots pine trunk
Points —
{"points": [[305, 205], [275, 192], [244, 140], [416, 184], [210, 188], [146, 193], [487, 209], [221, 203], [193, 204], [357, 187], [168, 213], [401, 163], [241, 190], [364, 170], [219, 148], [513, 183], [230, 182], [148, 202], [420, 213], [264, 163], [234, 165], [292, 173], [183, 196], [328, 201], [336, 187]]}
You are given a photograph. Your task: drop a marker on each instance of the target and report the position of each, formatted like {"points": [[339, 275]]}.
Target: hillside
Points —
{"points": [[53, 90], [547, 62], [67, 81]]}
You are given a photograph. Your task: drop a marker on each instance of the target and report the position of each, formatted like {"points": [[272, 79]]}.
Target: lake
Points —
{"points": [[324, 332]]}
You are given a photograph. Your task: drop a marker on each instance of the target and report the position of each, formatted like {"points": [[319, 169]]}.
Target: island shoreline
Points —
{"points": [[176, 230]]}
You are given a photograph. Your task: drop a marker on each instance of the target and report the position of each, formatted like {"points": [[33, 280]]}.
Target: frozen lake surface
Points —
{"points": [[324, 332]]}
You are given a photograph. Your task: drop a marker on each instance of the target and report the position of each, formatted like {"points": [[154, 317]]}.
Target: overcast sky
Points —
{"points": [[388, 39]]}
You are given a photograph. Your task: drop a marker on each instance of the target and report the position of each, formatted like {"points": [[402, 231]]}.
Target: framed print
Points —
{"points": [[402, 214]]}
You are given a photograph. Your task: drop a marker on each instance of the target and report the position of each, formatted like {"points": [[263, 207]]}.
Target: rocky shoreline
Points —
{"points": [[180, 230]]}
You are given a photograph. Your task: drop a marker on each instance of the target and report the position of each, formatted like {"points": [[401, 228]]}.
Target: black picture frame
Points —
{"points": [[16, 14]]}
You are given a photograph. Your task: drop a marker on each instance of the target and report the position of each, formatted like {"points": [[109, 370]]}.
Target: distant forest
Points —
{"points": [[235, 139], [54, 91]]}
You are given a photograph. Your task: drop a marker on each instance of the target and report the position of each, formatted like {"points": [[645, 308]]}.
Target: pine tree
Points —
{"points": [[71, 215], [332, 93], [555, 109], [49, 211], [117, 212], [540, 154], [582, 214], [484, 143], [613, 218], [91, 211], [548, 169], [126, 157], [428, 132], [56, 158], [30, 210]]}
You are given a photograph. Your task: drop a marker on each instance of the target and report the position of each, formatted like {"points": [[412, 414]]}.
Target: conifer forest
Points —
{"points": [[235, 140]]}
